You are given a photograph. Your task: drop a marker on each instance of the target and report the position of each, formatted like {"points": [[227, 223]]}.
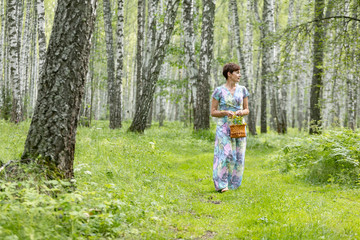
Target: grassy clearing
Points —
{"points": [[159, 186]]}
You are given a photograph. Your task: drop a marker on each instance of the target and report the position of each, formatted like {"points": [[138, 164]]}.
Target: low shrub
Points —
{"points": [[332, 157]]}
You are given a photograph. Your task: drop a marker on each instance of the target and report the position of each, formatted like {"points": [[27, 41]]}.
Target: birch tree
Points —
{"points": [[112, 91], [51, 138], [248, 55], [284, 106], [41, 33], [146, 98], [241, 59], [352, 80], [2, 40], [189, 46], [117, 109], [16, 114], [139, 50], [202, 108], [25, 53], [267, 59], [318, 61]]}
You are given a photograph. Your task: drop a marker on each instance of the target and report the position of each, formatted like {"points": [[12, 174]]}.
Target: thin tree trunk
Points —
{"points": [[284, 106], [25, 53], [112, 91], [241, 59], [248, 49], [318, 61], [201, 118], [146, 98], [189, 46], [119, 64], [51, 138], [35, 61], [16, 114], [41, 34], [150, 45], [267, 60], [139, 51], [2, 54], [353, 78]]}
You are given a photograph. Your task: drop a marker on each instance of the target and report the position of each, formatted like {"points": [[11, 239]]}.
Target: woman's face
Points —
{"points": [[234, 76]]}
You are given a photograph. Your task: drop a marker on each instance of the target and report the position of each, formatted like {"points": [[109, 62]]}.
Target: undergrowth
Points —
{"points": [[332, 157], [158, 185]]}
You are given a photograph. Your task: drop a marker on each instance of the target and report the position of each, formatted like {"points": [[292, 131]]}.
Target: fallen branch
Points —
{"points": [[6, 164]]}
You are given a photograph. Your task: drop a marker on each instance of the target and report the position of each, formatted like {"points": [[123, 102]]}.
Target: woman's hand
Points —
{"points": [[242, 112], [230, 114]]}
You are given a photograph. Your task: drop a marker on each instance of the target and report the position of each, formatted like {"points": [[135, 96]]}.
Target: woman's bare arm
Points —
{"points": [[245, 110]]}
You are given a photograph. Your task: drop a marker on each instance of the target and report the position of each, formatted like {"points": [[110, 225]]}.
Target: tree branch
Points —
{"points": [[6, 164]]}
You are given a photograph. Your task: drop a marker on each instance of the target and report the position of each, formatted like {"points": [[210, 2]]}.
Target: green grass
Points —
{"points": [[159, 186]]}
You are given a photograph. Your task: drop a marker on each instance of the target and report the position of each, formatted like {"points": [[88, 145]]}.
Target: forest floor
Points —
{"points": [[159, 186]]}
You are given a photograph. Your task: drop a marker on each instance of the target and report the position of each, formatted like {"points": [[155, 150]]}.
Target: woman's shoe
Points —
{"points": [[223, 190]]}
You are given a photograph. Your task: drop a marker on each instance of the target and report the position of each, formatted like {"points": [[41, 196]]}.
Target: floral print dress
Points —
{"points": [[229, 154]]}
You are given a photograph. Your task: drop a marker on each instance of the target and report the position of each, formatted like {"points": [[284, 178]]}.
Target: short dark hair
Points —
{"points": [[230, 67]]}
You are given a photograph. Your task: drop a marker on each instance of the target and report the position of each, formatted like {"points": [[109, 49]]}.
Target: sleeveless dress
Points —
{"points": [[229, 154]]}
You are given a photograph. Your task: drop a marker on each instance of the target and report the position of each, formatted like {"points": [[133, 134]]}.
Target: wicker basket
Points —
{"points": [[237, 130]]}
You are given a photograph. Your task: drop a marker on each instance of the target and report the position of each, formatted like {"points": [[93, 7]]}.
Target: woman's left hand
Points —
{"points": [[239, 113]]}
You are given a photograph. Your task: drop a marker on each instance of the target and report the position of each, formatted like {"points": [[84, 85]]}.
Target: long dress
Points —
{"points": [[229, 154]]}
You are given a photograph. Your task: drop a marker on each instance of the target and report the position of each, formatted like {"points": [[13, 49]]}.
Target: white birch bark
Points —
{"points": [[25, 53], [2, 51], [16, 115], [146, 98], [241, 59], [150, 42], [150, 34], [285, 107], [352, 76], [202, 112], [162, 102], [248, 45], [33, 71], [140, 50], [300, 76], [267, 27], [119, 62], [41, 33], [112, 91], [189, 46]]}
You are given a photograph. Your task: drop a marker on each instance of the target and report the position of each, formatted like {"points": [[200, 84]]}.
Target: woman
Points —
{"points": [[229, 156]]}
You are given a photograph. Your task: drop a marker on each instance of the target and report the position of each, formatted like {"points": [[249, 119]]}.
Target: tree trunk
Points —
{"points": [[150, 45], [318, 61], [241, 59], [285, 88], [202, 109], [25, 53], [51, 138], [146, 98], [2, 51], [190, 59], [248, 49], [16, 113], [117, 109], [112, 91], [140, 51], [353, 77], [41, 34], [267, 60]]}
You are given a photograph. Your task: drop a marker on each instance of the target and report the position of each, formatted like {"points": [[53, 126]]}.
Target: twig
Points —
{"points": [[6, 164]]}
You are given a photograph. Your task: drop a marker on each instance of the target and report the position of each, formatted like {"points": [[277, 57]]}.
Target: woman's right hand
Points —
{"points": [[230, 114]]}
